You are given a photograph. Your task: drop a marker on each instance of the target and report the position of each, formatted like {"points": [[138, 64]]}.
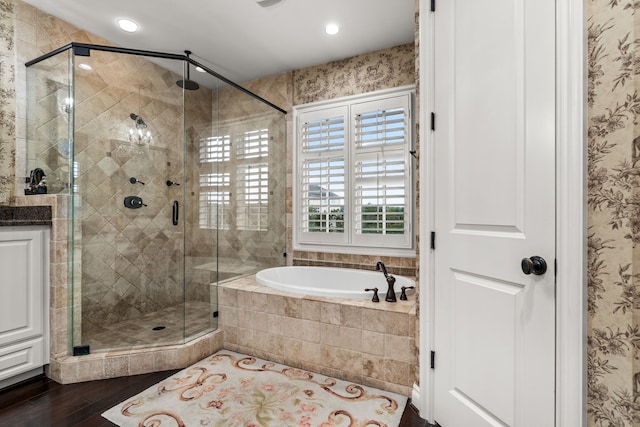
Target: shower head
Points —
{"points": [[140, 124], [187, 83]]}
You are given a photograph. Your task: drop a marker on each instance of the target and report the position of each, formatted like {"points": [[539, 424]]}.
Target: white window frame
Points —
{"points": [[349, 241]]}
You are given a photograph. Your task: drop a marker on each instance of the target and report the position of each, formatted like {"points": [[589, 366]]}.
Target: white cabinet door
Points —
{"points": [[21, 357], [22, 300]]}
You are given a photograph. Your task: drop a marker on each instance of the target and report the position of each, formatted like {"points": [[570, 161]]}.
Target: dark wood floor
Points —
{"points": [[41, 402]]}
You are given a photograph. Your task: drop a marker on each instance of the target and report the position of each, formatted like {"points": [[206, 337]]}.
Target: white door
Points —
{"points": [[494, 144]]}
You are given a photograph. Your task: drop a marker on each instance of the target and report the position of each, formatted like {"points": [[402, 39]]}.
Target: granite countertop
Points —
{"points": [[25, 215]]}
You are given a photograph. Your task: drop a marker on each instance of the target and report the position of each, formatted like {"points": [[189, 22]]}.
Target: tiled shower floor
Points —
{"points": [[180, 325]]}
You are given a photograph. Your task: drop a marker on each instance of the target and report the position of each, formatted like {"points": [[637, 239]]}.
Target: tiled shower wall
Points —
{"points": [[132, 259]]}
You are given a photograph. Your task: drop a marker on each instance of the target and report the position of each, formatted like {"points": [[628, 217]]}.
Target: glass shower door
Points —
{"points": [[128, 162]]}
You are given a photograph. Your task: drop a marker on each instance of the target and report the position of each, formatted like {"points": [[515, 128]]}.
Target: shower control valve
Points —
{"points": [[135, 180], [133, 202], [170, 183]]}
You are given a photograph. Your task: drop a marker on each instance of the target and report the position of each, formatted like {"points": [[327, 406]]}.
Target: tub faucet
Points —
{"points": [[391, 293], [380, 266]]}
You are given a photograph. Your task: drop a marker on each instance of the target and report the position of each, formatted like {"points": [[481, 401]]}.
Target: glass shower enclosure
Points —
{"points": [[173, 185]]}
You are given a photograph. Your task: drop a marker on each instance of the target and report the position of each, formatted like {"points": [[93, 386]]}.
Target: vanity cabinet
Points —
{"points": [[24, 313]]}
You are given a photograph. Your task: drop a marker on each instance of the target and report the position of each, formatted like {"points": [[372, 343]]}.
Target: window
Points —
{"points": [[237, 196], [353, 168]]}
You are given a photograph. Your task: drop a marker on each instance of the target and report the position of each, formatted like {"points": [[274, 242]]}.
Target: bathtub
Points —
{"points": [[330, 281]]}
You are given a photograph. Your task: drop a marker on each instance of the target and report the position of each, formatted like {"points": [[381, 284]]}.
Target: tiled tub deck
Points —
{"points": [[355, 340]]}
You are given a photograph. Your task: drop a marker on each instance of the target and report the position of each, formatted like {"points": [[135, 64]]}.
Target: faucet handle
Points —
{"points": [[403, 293], [375, 294]]}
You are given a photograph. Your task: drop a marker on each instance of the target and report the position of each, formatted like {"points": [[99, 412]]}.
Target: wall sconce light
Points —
{"points": [[139, 136]]}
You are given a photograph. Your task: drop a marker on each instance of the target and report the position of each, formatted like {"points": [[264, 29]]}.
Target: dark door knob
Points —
{"points": [[536, 265]]}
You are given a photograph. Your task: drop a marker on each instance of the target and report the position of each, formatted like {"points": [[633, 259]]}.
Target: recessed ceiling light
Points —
{"points": [[128, 25], [331, 29], [85, 67], [200, 70]]}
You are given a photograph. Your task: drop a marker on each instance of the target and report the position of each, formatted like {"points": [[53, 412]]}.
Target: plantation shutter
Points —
{"points": [[381, 176], [321, 188], [353, 178]]}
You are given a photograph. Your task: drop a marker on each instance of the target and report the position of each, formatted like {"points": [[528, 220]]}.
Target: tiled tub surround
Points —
{"points": [[356, 340]]}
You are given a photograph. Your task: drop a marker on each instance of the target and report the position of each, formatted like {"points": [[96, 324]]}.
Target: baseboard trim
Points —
{"points": [[415, 397], [21, 377]]}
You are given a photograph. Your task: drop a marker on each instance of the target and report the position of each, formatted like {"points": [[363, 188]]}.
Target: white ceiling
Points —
{"points": [[241, 39]]}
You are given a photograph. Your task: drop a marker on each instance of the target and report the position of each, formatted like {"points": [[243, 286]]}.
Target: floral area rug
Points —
{"points": [[234, 390]]}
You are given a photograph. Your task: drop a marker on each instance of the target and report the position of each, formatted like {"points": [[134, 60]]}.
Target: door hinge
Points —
{"points": [[555, 267], [433, 121], [433, 360], [433, 240], [433, 5]]}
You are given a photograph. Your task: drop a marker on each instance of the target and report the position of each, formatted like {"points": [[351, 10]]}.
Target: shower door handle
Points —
{"points": [[175, 212]]}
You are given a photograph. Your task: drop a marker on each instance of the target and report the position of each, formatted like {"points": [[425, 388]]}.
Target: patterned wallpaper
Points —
{"points": [[382, 69], [614, 215]]}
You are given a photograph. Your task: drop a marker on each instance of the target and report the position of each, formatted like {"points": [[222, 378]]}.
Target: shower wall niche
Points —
{"points": [[171, 191]]}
